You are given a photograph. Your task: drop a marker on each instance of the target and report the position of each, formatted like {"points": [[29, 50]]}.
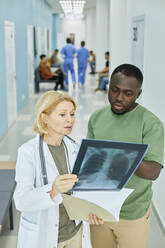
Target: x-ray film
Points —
{"points": [[106, 165]]}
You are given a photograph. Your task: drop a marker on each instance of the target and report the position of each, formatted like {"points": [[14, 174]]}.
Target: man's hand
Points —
{"points": [[94, 220]]}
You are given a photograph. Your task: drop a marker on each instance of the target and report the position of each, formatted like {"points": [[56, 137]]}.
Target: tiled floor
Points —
{"points": [[87, 102]]}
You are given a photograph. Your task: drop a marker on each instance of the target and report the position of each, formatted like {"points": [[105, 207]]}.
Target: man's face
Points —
{"points": [[106, 57], [123, 92], [44, 60]]}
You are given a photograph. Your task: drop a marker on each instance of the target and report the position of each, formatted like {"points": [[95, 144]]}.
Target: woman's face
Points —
{"points": [[61, 119]]}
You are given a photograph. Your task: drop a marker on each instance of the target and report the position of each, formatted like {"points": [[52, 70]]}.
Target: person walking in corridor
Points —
{"points": [[68, 51], [82, 61]]}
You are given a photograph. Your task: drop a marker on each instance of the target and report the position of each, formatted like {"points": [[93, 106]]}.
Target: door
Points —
{"points": [[38, 38], [138, 41], [49, 41], [137, 54], [30, 40], [45, 42], [10, 72]]}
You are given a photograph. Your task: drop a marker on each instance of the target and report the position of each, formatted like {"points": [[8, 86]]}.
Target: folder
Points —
{"points": [[105, 205], [79, 209]]}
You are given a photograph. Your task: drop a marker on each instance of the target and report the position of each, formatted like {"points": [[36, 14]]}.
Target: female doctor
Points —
{"points": [[44, 222]]}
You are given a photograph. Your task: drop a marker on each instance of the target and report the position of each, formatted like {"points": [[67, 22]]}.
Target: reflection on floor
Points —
{"points": [[87, 102]]}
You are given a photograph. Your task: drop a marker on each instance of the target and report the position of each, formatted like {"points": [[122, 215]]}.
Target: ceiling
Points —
{"points": [[56, 7]]}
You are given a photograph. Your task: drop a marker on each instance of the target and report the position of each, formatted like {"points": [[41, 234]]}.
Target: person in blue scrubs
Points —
{"points": [[82, 60], [68, 51]]}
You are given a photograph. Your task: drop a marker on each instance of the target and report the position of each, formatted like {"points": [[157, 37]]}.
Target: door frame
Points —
{"points": [[30, 60], [134, 20], [14, 100]]}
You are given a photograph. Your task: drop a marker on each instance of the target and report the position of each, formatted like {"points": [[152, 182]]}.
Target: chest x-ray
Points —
{"points": [[106, 168]]}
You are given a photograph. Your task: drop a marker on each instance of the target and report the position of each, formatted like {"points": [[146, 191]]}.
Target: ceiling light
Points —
{"points": [[73, 7]]}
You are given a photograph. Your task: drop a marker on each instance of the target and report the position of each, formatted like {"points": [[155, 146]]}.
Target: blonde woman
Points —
{"points": [[44, 221]]}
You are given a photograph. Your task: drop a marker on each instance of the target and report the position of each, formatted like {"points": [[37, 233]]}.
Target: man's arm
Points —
{"points": [[63, 51], [153, 134], [105, 70], [149, 170]]}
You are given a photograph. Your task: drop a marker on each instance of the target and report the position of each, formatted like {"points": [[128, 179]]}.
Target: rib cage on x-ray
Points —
{"points": [[105, 166]]}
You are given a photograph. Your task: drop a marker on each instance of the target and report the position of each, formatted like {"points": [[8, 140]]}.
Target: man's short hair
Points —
{"points": [[42, 56], [90, 51], [68, 40], [129, 71], [82, 43], [56, 50], [107, 53]]}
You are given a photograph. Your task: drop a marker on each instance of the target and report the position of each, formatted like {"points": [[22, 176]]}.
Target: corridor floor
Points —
{"points": [[87, 102]]}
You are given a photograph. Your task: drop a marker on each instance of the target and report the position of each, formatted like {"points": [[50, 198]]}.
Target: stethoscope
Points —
{"points": [[42, 159]]}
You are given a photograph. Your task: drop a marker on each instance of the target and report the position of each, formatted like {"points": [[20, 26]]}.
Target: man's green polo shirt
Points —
{"points": [[139, 126]]}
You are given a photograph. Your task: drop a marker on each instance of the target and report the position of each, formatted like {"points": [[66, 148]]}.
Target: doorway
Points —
{"points": [[10, 71]]}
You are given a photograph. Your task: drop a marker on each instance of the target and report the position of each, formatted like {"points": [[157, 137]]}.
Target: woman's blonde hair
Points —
{"points": [[46, 104]]}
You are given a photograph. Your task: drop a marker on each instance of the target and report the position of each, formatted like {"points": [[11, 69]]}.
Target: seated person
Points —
{"points": [[92, 62], [103, 83], [46, 74], [55, 62], [105, 72]]}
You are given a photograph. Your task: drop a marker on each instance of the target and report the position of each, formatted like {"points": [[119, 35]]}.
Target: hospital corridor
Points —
{"points": [[98, 55]]}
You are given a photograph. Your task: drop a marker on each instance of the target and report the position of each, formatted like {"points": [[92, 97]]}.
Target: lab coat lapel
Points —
{"points": [[72, 151]]}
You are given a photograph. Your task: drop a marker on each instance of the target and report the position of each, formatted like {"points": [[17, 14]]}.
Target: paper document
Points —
{"points": [[105, 204]]}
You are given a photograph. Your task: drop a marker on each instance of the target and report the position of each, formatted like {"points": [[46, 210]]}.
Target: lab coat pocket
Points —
{"points": [[28, 234]]}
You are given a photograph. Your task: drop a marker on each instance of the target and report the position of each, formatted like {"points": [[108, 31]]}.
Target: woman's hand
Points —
{"points": [[94, 220], [62, 184]]}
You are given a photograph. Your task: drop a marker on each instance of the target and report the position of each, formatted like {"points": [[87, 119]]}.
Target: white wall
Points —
{"points": [[118, 33], [90, 29], [154, 54], [77, 27], [102, 32], [122, 12]]}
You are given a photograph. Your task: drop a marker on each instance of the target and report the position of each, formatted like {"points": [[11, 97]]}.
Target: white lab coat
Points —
{"points": [[39, 221]]}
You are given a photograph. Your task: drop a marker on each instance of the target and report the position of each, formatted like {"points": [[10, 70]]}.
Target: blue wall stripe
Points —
{"points": [[23, 13]]}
